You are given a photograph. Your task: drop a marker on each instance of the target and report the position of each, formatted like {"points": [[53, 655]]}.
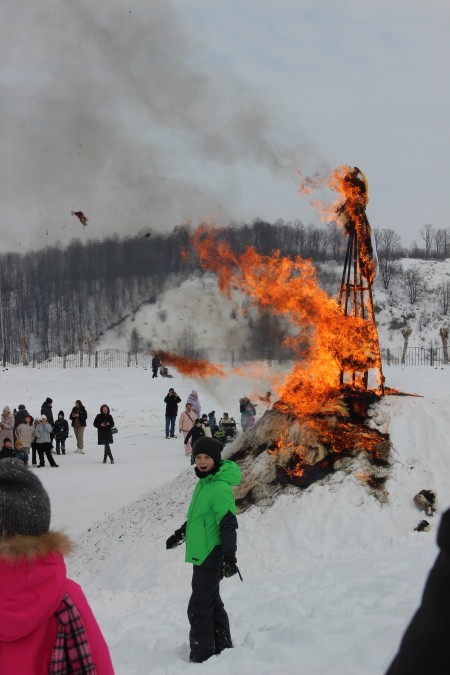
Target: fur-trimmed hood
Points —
{"points": [[19, 547], [33, 582]]}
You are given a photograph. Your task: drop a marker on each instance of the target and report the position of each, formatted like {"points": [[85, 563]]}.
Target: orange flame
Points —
{"points": [[349, 210], [191, 367], [327, 341]]}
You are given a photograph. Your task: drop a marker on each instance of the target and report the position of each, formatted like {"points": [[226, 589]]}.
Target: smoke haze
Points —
{"points": [[108, 108]]}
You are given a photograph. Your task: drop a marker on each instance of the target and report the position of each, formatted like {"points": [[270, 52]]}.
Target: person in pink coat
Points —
{"points": [[185, 424], [46, 624]]}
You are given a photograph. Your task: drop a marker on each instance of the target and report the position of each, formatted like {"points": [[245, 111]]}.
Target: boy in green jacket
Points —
{"points": [[210, 534]]}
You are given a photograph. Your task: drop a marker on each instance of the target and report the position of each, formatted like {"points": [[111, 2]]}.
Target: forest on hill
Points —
{"points": [[54, 300]]}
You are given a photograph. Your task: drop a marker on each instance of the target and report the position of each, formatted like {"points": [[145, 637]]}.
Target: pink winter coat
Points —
{"points": [[33, 583], [187, 420]]}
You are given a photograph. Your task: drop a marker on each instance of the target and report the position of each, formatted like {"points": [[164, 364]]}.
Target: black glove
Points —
{"points": [[176, 538], [230, 567]]}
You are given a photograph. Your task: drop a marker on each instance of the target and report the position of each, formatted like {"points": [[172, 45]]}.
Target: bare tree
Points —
{"points": [[427, 234], [414, 284], [443, 295], [406, 332], [388, 249], [443, 332]]}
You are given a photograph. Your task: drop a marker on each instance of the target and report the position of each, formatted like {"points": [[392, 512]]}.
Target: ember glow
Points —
{"points": [[327, 342]]}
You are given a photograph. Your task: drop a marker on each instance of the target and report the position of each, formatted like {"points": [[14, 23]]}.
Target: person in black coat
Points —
{"points": [[46, 409], [423, 648], [155, 365], [7, 450], [61, 431], [172, 400], [104, 423], [194, 434]]}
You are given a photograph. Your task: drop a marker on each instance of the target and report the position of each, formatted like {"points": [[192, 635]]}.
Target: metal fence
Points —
{"points": [[120, 358], [414, 356]]}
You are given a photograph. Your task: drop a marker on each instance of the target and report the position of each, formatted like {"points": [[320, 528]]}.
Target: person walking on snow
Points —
{"points": [[185, 424], [172, 400], [210, 535], [104, 423], [46, 623], [79, 417], [195, 403]]}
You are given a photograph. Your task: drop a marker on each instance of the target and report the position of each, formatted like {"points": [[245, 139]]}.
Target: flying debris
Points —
{"points": [[146, 236], [81, 217]]}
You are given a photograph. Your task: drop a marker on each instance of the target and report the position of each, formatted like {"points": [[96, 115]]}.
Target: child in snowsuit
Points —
{"points": [[7, 451], [210, 534], [46, 624], [61, 432], [193, 435], [20, 452]]}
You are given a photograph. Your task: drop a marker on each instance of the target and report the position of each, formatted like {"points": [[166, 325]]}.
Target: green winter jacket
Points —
{"points": [[212, 500]]}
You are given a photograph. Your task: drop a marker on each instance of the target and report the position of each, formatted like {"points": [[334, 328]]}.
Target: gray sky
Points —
{"points": [[148, 113]]}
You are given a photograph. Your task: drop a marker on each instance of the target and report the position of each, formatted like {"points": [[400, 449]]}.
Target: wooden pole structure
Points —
{"points": [[355, 292]]}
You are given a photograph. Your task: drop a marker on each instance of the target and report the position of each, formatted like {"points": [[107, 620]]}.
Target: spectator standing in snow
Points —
{"points": [[19, 418], [61, 432], [34, 442], [43, 433], [195, 403], [210, 534], [104, 423], [47, 410], [185, 424], [155, 365], [78, 416], [172, 400], [248, 412], [6, 424], [25, 433], [46, 623], [194, 434]]}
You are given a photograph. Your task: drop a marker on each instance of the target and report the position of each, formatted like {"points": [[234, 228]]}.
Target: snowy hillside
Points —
{"points": [[198, 315], [331, 576]]}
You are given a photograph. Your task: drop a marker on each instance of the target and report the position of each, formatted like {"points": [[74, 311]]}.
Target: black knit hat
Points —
{"points": [[208, 446], [24, 503]]}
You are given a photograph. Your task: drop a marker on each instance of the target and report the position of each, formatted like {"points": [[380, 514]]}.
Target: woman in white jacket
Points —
{"points": [[6, 424], [185, 424]]}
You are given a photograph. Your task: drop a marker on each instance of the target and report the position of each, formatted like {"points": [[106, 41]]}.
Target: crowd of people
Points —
{"points": [[33, 440]]}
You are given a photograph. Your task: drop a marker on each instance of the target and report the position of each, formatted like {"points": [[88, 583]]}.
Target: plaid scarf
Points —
{"points": [[71, 653]]}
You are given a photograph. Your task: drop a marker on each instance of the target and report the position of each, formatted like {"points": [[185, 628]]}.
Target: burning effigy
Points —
{"points": [[320, 421]]}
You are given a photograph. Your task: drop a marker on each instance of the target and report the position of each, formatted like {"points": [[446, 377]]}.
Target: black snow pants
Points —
{"points": [[210, 628]]}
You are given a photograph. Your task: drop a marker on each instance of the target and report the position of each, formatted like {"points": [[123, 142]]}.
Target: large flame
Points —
{"points": [[327, 341]]}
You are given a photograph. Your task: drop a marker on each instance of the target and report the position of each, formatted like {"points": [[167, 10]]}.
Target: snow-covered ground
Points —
{"points": [[331, 577]]}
